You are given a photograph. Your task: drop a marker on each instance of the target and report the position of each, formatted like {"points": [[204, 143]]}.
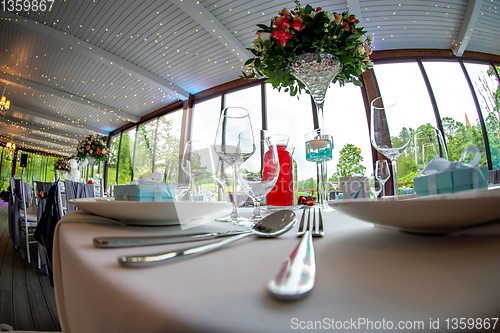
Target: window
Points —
{"points": [[113, 159], [405, 82], [167, 146], [144, 149], [205, 120], [345, 120], [456, 107], [293, 117], [250, 99], [125, 157], [487, 91]]}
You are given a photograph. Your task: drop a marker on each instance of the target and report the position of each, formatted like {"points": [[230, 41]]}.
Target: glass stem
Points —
{"points": [[256, 210], [320, 169], [395, 178], [320, 116], [234, 214]]}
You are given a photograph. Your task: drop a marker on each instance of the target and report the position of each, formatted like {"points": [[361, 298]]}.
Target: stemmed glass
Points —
{"points": [[429, 144], [375, 187], [232, 121], [258, 173], [382, 173], [319, 147], [389, 134], [195, 162]]}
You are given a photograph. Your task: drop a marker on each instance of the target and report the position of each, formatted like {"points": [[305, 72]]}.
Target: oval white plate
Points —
{"points": [[432, 214], [151, 212]]}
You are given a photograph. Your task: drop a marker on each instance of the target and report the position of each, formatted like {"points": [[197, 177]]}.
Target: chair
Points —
{"points": [[28, 220], [76, 190]]}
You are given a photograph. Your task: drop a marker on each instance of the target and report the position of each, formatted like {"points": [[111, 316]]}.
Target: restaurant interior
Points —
{"points": [[105, 96]]}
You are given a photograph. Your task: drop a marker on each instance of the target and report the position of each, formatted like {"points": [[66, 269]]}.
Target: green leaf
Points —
{"points": [[308, 9], [357, 82], [249, 61], [272, 76], [263, 26], [279, 74]]}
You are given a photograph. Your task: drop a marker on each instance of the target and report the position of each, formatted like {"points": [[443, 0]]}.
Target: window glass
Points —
{"points": [[487, 90], [6, 167], [144, 149], [125, 158], [293, 117], [405, 82], [167, 146], [345, 120], [250, 99], [205, 120], [456, 107], [113, 160]]}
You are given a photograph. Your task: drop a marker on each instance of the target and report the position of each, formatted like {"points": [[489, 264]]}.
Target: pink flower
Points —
{"points": [[338, 19], [345, 26], [282, 22], [284, 12], [98, 151], [297, 23], [281, 36], [88, 147]]}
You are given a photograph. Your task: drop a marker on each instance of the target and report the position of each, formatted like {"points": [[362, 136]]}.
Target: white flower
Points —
{"points": [[360, 49], [361, 38], [331, 16], [265, 36], [312, 14], [370, 38]]}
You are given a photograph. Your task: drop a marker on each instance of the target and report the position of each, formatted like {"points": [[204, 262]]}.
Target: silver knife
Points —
{"points": [[116, 242]]}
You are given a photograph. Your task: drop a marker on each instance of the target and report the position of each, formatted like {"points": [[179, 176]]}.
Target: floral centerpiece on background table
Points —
{"points": [[93, 148], [62, 164], [308, 30]]}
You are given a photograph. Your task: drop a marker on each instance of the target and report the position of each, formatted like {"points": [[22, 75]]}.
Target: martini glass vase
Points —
{"points": [[316, 71]]}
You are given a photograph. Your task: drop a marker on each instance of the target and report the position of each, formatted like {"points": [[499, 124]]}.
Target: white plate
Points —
{"points": [[432, 214], [152, 213]]}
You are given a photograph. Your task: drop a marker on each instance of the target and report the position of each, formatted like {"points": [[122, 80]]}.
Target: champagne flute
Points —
{"points": [[382, 173], [232, 121], [388, 132], [195, 162], [258, 173], [429, 143]]}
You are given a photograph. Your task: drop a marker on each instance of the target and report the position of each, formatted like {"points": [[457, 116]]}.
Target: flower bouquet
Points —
{"points": [[62, 164], [93, 148], [307, 30]]}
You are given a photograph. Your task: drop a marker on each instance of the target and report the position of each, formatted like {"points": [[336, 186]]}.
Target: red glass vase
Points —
{"points": [[282, 192]]}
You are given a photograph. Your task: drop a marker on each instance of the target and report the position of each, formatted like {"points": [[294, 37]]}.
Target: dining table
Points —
{"points": [[368, 278]]}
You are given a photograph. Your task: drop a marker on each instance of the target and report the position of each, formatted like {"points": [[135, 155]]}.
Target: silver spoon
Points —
{"points": [[272, 226]]}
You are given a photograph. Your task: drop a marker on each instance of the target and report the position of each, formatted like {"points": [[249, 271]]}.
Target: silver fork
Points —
{"points": [[301, 231], [318, 226]]}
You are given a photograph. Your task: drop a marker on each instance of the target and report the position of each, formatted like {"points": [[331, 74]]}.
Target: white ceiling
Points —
{"points": [[91, 66]]}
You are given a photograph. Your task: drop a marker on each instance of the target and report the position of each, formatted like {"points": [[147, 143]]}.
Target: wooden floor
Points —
{"points": [[27, 300]]}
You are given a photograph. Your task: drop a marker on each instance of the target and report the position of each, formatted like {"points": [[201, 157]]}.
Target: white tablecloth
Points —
{"points": [[365, 273]]}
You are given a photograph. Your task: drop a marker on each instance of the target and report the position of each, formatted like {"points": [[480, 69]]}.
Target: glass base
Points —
{"points": [[237, 220]]}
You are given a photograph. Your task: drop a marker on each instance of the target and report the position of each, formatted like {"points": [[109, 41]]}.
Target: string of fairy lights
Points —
{"points": [[135, 89]]}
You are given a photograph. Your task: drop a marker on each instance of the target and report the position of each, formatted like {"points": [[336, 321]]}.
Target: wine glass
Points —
{"points": [[195, 161], [375, 187], [388, 132], [382, 173], [232, 121], [258, 173], [429, 144]]}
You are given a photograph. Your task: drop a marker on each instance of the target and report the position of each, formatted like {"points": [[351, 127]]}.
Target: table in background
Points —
{"points": [[362, 272]]}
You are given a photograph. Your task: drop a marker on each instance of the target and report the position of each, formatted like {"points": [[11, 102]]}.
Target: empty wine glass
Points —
{"points": [[195, 161], [429, 144], [232, 121], [388, 132], [375, 187], [382, 173], [258, 172]]}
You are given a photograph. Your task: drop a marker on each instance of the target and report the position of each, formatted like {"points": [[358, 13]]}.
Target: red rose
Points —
{"points": [[42, 194], [345, 26], [319, 9], [281, 36], [282, 22], [88, 147], [297, 23]]}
